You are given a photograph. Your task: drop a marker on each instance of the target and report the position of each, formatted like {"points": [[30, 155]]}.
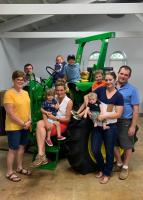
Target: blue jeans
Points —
{"points": [[109, 137]]}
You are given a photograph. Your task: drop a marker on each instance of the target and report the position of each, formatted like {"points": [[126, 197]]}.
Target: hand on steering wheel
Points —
{"points": [[50, 70]]}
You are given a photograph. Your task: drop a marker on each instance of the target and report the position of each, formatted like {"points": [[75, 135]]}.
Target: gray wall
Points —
{"points": [[42, 52], [10, 60]]}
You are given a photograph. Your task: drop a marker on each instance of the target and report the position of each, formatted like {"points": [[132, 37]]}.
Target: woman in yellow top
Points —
{"points": [[18, 121]]}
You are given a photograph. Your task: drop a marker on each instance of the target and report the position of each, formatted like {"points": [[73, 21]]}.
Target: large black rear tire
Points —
{"points": [[77, 146]]}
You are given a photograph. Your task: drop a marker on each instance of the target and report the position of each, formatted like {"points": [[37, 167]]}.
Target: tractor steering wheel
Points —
{"points": [[50, 71]]}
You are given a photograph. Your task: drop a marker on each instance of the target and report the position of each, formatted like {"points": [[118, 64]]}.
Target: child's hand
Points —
{"points": [[48, 114], [56, 106], [89, 114], [101, 117]]}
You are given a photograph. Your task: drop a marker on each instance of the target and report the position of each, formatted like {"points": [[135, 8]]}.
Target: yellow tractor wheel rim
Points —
{"points": [[102, 150]]}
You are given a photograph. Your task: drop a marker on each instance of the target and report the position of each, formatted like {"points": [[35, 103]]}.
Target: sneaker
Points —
{"points": [[116, 168], [49, 142], [124, 174], [76, 117], [73, 112], [61, 138], [39, 160]]}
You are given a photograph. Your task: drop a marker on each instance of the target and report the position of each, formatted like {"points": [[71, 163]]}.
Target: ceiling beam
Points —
{"points": [[122, 34], [62, 9], [27, 20], [140, 17], [78, 1], [21, 21], [2, 19]]}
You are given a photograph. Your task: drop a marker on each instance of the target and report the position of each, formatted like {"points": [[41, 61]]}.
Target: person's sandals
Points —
{"points": [[13, 177], [23, 171], [73, 112], [104, 179], [99, 175], [77, 117]]}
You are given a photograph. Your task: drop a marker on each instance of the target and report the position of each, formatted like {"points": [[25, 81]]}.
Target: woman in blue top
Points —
{"points": [[113, 102]]}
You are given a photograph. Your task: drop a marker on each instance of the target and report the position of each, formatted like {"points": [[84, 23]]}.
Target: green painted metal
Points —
{"points": [[79, 52], [36, 92], [103, 50], [96, 37], [102, 55]]}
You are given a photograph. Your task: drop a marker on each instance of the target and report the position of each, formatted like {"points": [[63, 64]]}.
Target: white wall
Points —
{"points": [[42, 52], [10, 61]]}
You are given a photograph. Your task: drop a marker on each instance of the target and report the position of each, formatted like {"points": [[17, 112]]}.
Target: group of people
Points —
{"points": [[70, 70], [113, 106], [115, 123]]}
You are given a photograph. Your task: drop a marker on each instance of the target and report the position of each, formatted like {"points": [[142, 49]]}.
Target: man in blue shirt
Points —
{"points": [[127, 123]]}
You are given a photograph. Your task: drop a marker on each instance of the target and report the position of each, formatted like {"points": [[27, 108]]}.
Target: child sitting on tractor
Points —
{"points": [[93, 109], [99, 82], [59, 68], [50, 105], [72, 72]]}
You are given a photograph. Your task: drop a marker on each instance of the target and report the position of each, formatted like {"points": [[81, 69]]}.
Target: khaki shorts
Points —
{"points": [[124, 140]]}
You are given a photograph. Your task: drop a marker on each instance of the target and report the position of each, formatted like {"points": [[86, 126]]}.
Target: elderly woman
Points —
{"points": [[18, 121], [63, 116]]}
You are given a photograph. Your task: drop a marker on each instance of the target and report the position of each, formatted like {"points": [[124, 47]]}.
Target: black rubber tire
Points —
{"points": [[77, 146]]}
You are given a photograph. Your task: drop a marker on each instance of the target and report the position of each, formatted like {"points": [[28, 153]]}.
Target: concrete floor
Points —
{"points": [[65, 184]]}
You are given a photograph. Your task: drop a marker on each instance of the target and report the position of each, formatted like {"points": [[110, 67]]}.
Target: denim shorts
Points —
{"points": [[16, 138]]}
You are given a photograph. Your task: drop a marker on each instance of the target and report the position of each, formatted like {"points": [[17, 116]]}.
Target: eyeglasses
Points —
{"points": [[19, 79]]}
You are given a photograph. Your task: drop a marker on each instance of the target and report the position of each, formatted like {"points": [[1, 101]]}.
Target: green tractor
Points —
{"points": [[77, 146]]}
